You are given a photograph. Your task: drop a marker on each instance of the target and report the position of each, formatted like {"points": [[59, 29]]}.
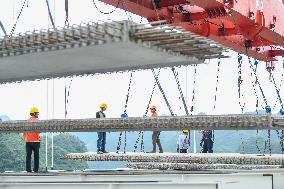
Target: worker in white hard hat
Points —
{"points": [[101, 142]]}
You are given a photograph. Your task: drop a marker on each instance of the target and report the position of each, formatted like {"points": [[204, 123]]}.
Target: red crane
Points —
{"points": [[251, 27]]}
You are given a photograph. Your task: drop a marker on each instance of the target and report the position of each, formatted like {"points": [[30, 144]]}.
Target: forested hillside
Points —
{"points": [[13, 152]]}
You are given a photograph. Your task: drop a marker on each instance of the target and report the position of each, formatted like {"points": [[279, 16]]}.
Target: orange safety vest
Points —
{"points": [[32, 137], [154, 114]]}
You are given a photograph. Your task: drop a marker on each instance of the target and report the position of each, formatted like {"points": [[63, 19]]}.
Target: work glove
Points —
{"points": [[200, 144], [177, 150]]}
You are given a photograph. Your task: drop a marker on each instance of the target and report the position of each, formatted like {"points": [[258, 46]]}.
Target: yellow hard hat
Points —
{"points": [[103, 105], [153, 107], [34, 110], [185, 131]]}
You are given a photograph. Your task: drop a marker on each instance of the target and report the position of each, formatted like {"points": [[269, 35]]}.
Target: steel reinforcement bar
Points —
{"points": [[220, 122]]}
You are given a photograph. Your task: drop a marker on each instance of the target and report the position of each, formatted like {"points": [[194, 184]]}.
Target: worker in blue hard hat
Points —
{"points": [[183, 141], [124, 115], [282, 111]]}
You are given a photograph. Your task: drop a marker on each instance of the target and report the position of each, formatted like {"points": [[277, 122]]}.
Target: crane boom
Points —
{"points": [[251, 27]]}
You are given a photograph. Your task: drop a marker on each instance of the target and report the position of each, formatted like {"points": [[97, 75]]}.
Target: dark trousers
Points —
{"points": [[182, 150], [156, 140], [101, 142], [32, 147], [207, 146]]}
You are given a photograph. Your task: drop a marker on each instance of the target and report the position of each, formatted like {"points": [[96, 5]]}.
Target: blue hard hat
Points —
{"points": [[282, 111], [124, 115], [268, 109]]}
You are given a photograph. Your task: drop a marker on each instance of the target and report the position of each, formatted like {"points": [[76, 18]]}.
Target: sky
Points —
{"points": [[87, 93]]}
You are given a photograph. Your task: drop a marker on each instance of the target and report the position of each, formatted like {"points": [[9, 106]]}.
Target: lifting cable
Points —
{"points": [[112, 11], [180, 90], [257, 82], [280, 135], [125, 110], [163, 93], [66, 14], [67, 95], [253, 81], [280, 86], [50, 15], [193, 91], [216, 91], [3, 28], [281, 104], [240, 95], [141, 133], [18, 17], [254, 86], [240, 81], [193, 96], [267, 107], [181, 93], [277, 90], [151, 96]]}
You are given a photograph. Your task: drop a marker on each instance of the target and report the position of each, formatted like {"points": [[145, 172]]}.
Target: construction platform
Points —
{"points": [[100, 47], [141, 179], [162, 123]]}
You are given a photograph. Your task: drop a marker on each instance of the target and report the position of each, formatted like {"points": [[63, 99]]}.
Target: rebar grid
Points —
{"points": [[167, 37]]}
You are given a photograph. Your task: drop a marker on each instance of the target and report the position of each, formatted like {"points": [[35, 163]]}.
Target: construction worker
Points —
{"points": [[183, 142], [206, 141], [101, 142], [156, 134], [32, 143]]}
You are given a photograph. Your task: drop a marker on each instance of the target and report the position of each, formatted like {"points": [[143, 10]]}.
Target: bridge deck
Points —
{"points": [[141, 179]]}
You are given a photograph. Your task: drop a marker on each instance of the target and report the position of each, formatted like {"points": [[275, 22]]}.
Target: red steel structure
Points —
{"points": [[251, 27]]}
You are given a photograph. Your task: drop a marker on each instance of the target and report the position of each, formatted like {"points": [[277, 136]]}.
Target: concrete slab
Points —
{"points": [[109, 57], [99, 48]]}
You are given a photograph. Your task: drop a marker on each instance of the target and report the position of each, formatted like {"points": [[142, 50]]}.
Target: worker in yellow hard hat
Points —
{"points": [[32, 140], [183, 141], [156, 134], [101, 142]]}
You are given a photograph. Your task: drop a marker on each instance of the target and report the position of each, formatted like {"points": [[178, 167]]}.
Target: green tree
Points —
{"points": [[13, 152]]}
